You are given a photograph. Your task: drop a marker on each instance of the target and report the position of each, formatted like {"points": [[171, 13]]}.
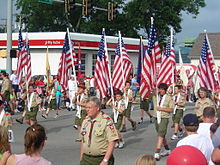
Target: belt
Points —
{"points": [[94, 156]]}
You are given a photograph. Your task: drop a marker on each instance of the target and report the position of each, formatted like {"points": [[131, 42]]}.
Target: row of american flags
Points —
{"points": [[107, 80]]}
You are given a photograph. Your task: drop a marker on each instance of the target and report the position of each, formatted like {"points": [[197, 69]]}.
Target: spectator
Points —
{"points": [[208, 119], [14, 82], [146, 160], [201, 142], [213, 128], [4, 146], [134, 86], [34, 142]]}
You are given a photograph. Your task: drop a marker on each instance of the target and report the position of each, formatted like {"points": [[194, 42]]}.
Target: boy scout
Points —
{"points": [[118, 109], [6, 87], [33, 105], [163, 106], [202, 102], [98, 135], [179, 105], [80, 100], [128, 97]]}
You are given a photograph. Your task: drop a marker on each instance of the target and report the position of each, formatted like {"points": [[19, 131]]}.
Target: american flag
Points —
{"points": [[28, 61], [167, 68], [206, 67], [102, 77], [148, 74], [65, 64], [122, 66], [22, 57]]}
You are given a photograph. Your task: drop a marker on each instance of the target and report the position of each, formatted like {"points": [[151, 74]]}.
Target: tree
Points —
{"points": [[132, 18]]}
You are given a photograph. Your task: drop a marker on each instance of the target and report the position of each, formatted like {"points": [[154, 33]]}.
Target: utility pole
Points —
{"points": [[9, 37]]}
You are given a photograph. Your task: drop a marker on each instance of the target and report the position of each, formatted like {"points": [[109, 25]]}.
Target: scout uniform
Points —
{"points": [[178, 109], [162, 117], [202, 104], [52, 99], [32, 106], [128, 96], [5, 119], [81, 110], [96, 134], [117, 115], [6, 87], [217, 95], [146, 102]]}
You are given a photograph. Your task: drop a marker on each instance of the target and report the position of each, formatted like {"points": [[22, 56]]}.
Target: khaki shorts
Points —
{"points": [[162, 127], [78, 121], [127, 112], [178, 116], [145, 104], [31, 115]]}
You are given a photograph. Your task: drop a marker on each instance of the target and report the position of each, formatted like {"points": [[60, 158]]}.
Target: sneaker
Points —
{"points": [[174, 137], [78, 140], [134, 125], [116, 145], [121, 145], [20, 120], [181, 134], [44, 116], [75, 126], [165, 153], [123, 129], [157, 156], [140, 122], [56, 116], [151, 119]]}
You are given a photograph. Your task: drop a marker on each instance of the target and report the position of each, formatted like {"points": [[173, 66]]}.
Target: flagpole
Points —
{"points": [[109, 68], [71, 53], [121, 59], [25, 71], [171, 46]]}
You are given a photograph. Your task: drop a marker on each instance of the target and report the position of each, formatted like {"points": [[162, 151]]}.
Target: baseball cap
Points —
{"points": [[190, 120]]}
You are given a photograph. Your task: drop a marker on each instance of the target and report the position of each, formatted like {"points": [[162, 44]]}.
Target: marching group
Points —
{"points": [[99, 133]]}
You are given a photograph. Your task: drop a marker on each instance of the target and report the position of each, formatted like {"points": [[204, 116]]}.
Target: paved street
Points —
{"points": [[62, 149]]}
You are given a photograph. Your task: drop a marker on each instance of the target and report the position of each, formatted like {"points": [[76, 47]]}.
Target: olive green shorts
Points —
{"points": [[127, 112], [78, 121], [178, 116], [218, 112], [6, 96], [145, 104], [52, 104], [162, 127], [119, 121], [95, 160], [31, 115]]}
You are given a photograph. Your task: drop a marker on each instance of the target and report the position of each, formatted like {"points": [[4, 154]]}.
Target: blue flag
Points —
{"points": [[140, 58]]}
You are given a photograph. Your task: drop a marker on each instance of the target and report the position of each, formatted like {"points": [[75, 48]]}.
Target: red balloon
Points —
{"points": [[186, 155]]}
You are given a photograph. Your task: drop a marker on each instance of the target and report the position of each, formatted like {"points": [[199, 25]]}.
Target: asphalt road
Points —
{"points": [[62, 149]]}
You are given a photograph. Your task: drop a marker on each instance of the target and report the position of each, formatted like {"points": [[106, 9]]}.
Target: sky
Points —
{"points": [[208, 19]]}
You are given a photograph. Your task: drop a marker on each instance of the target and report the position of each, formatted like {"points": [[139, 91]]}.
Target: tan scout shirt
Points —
{"points": [[128, 94], [83, 98], [201, 104], [168, 103], [181, 101], [36, 100], [103, 132], [6, 84]]}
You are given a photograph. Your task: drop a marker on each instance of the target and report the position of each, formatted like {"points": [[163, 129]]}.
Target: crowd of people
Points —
{"points": [[99, 133]]}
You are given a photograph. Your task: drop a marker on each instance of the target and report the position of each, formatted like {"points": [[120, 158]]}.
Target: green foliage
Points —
{"points": [[133, 16]]}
